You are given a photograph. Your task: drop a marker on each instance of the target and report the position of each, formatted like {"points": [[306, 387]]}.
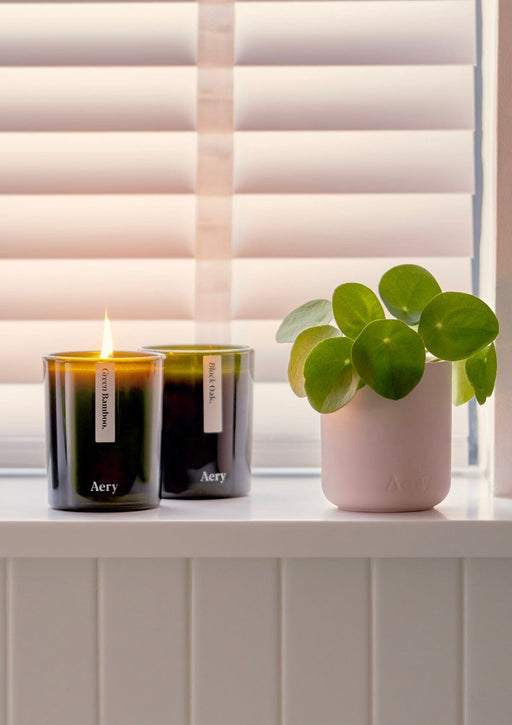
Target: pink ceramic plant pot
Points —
{"points": [[391, 455]]}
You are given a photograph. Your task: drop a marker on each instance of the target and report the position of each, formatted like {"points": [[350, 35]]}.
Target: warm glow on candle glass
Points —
{"points": [[107, 347]]}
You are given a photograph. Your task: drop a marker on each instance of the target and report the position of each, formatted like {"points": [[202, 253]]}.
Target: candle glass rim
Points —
{"points": [[199, 349], [118, 356]]}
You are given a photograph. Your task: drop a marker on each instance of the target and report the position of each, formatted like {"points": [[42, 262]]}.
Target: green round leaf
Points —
{"points": [[302, 346], [310, 314], [330, 378], [462, 390], [354, 306], [406, 290], [455, 325], [481, 372], [389, 357]]}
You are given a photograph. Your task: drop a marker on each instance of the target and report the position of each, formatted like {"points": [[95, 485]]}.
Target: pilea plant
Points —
{"points": [[329, 364]]}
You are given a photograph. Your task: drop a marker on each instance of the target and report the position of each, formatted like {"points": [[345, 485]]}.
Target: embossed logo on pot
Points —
{"points": [[421, 483]]}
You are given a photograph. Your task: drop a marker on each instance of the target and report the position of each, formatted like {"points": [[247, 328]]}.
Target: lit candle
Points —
{"points": [[103, 420]]}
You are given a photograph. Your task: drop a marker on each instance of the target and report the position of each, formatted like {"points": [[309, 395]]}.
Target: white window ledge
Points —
{"points": [[282, 517]]}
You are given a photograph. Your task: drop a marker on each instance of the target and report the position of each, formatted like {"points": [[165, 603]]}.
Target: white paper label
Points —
{"points": [[105, 398], [212, 393]]}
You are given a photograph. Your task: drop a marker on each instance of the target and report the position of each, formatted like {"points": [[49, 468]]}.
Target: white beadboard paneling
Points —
{"points": [[353, 97], [4, 654], [488, 641], [289, 283], [144, 639], [279, 33], [98, 162], [81, 33], [88, 226], [351, 225], [49, 289], [101, 99], [353, 162], [53, 642], [326, 641], [235, 642], [417, 641]]}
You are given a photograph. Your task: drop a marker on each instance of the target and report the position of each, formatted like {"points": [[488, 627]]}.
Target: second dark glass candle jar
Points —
{"points": [[206, 421]]}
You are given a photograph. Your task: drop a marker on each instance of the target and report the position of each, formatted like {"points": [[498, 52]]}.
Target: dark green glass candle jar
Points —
{"points": [[103, 423], [207, 420]]}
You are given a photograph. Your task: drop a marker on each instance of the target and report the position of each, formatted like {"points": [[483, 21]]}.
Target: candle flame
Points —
{"points": [[107, 347]]}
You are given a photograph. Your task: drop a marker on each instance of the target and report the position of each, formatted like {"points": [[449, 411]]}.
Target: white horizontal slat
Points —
{"points": [[145, 225], [80, 288], [351, 225], [281, 33], [46, 337], [108, 33], [269, 289], [97, 162], [353, 161], [289, 436], [98, 99], [49, 336], [353, 97], [271, 359]]}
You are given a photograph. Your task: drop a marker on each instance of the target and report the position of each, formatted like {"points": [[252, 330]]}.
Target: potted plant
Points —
{"points": [[384, 385]]}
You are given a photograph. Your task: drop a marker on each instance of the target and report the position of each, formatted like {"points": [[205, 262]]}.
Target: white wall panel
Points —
{"points": [[143, 624], [4, 637], [417, 642], [235, 642], [488, 641], [53, 642], [326, 641]]}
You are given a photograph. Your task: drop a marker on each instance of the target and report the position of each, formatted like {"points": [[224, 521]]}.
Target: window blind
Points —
{"points": [[201, 168]]}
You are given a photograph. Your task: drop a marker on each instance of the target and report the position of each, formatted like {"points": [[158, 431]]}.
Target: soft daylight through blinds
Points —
{"points": [[201, 168]]}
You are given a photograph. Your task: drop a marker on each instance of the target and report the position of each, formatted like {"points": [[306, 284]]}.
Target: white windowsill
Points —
{"points": [[282, 517]]}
